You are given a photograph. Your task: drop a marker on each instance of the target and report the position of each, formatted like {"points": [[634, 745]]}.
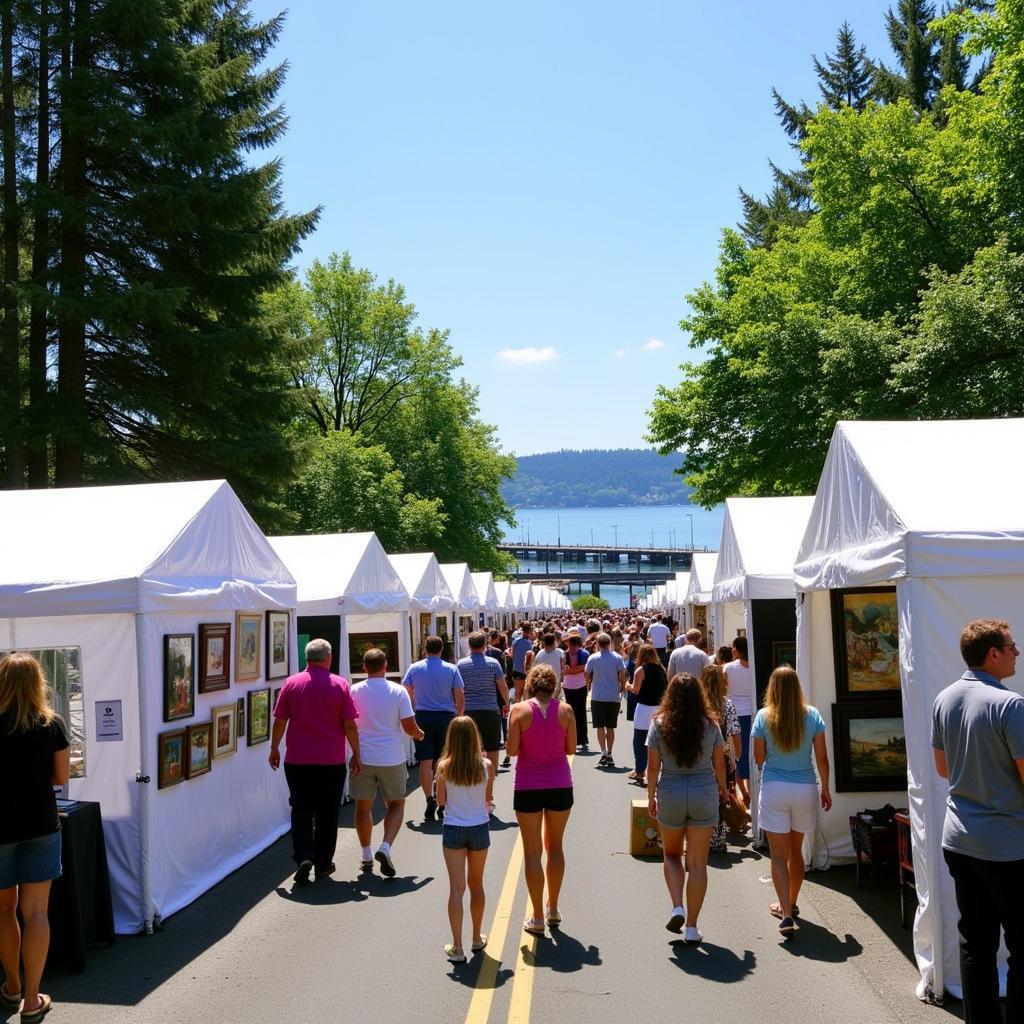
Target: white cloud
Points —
{"points": [[651, 344], [620, 353], [530, 354]]}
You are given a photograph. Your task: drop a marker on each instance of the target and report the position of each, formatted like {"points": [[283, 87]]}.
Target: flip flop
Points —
{"points": [[477, 946], [787, 926], [534, 925], [553, 920], [36, 1015], [776, 910], [7, 1001], [453, 954]]}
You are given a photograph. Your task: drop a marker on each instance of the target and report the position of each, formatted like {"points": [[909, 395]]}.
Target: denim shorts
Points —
{"points": [[31, 860], [466, 837]]}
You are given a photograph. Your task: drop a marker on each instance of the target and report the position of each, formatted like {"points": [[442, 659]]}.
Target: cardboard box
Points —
{"points": [[644, 834]]}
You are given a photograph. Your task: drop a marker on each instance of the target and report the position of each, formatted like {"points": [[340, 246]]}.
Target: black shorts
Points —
{"points": [[604, 713], [518, 675], [435, 725], [530, 801], [489, 724]]}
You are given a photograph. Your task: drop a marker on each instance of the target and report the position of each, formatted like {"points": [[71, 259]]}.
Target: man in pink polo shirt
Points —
{"points": [[318, 711]]}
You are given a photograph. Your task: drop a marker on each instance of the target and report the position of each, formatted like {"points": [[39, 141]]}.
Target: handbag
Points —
{"points": [[735, 816]]}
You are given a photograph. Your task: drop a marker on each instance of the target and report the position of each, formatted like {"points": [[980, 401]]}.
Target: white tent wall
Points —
{"points": [[109, 672]]}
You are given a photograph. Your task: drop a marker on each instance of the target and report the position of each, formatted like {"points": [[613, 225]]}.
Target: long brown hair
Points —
{"points": [[648, 655], [713, 681], [681, 718], [462, 760], [23, 693], [785, 709]]}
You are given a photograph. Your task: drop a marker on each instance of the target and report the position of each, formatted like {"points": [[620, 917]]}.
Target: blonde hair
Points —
{"points": [[647, 655], [713, 681], [541, 679], [23, 693], [785, 709], [462, 760]]}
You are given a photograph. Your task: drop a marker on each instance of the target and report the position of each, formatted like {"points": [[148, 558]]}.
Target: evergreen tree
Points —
{"points": [[916, 50], [845, 78]]}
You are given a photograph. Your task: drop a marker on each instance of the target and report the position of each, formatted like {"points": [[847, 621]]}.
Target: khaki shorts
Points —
{"points": [[391, 779]]}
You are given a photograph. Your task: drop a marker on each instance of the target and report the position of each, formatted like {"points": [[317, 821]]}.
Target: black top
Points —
{"points": [[652, 689], [28, 808]]}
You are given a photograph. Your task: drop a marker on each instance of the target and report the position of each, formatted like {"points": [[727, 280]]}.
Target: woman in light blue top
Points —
{"points": [[788, 738]]}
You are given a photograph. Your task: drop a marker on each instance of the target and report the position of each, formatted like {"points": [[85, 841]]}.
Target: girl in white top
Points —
{"points": [[462, 791]]}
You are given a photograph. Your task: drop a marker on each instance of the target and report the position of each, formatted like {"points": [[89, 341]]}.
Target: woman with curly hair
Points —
{"points": [[685, 784], [723, 711], [788, 739]]}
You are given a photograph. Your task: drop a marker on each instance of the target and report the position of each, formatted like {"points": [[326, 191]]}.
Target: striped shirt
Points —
{"points": [[480, 675]]}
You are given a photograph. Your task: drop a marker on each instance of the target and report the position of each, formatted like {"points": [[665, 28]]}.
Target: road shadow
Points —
{"points": [[558, 951], [715, 963], [732, 858], [812, 942], [374, 885], [481, 971], [323, 892]]}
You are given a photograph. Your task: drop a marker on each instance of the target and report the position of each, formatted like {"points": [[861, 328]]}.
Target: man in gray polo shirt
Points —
{"points": [[605, 673], [978, 743]]}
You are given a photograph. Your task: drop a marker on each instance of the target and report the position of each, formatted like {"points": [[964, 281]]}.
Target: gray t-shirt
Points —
{"points": [[604, 667], [670, 767], [979, 724], [687, 660]]}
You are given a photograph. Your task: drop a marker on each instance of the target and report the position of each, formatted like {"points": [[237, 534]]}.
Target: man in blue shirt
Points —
{"points": [[484, 679], [978, 743], [605, 672], [438, 695]]}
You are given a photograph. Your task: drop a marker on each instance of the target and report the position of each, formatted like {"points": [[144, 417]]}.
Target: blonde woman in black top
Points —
{"points": [[34, 750], [648, 685]]}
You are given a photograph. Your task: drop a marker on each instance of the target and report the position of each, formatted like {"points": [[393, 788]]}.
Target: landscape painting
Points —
{"points": [[359, 643], [866, 638], [248, 627], [277, 645], [871, 748], [258, 716]]}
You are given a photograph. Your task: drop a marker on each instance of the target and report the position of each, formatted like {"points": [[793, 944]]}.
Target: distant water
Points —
{"points": [[657, 525]]}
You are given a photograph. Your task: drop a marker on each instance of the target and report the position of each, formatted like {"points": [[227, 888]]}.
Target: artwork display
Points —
{"points": [[359, 643], [866, 640], [258, 723], [783, 653], [273, 700], [240, 716], [225, 729], [214, 657], [170, 758], [277, 645], [870, 745], [248, 634], [179, 676], [198, 749]]}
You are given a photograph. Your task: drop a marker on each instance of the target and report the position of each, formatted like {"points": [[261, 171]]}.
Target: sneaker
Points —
{"points": [[387, 865], [693, 937], [303, 871], [609, 761], [585, 747], [676, 922], [326, 870], [431, 809], [602, 760], [506, 762], [366, 867]]}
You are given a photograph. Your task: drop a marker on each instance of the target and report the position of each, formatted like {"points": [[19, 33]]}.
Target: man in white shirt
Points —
{"points": [[741, 693], [658, 634], [551, 655], [688, 659], [387, 717]]}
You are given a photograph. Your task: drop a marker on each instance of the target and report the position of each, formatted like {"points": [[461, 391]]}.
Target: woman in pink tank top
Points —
{"points": [[542, 736]]}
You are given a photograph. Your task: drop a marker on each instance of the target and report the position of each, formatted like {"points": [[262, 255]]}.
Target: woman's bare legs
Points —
{"points": [[554, 831], [698, 844], [35, 939], [672, 862], [786, 876], [455, 862], [10, 940], [475, 861], [530, 832]]}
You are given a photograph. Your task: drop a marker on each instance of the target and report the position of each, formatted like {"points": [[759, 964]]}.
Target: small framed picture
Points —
{"points": [[871, 747], [273, 700], [783, 653], [198, 749], [225, 729], [214, 657], [240, 716], [179, 676], [277, 645], [258, 723], [170, 758], [248, 630], [865, 630]]}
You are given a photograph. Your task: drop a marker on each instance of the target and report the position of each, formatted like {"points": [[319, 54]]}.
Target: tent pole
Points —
{"points": [[143, 778]]}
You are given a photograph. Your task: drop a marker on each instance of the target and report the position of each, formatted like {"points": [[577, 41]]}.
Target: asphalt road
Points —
{"points": [[367, 949]]}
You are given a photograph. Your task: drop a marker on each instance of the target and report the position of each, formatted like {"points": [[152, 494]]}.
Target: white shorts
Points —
{"points": [[788, 807]]}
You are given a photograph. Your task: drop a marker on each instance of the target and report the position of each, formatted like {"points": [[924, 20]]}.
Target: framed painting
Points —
{"points": [[248, 630], [865, 636], [170, 758], [214, 656], [277, 645], [225, 729], [359, 643], [198, 749], [870, 746], [179, 676], [783, 653], [240, 716], [258, 718], [273, 699]]}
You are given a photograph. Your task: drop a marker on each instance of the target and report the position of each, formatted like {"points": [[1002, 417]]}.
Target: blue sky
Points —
{"points": [[548, 180]]}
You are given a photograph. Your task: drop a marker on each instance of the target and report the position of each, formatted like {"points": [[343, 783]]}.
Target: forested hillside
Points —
{"points": [[596, 478]]}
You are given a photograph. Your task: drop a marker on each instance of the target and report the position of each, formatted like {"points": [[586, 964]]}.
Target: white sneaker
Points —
{"points": [[387, 866], [693, 937], [676, 921]]}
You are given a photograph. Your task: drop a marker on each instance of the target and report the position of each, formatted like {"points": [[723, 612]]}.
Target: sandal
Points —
{"points": [[477, 946], [534, 925], [787, 926], [775, 910], [553, 919], [7, 1001], [453, 954], [36, 1015]]}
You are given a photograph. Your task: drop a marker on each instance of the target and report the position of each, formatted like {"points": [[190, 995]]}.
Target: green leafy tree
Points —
{"points": [[585, 601]]}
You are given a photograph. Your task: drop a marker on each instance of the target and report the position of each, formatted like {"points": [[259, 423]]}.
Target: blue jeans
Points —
{"points": [[640, 751]]}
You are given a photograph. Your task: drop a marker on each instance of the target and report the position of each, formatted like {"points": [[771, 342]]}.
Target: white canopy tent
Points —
{"points": [[429, 596], [506, 609], [347, 579], [101, 575], [467, 603], [754, 589], [679, 609], [886, 514], [483, 583], [699, 612]]}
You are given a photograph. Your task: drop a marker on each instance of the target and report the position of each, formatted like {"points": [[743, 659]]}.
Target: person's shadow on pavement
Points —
{"points": [[716, 963], [558, 951]]}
